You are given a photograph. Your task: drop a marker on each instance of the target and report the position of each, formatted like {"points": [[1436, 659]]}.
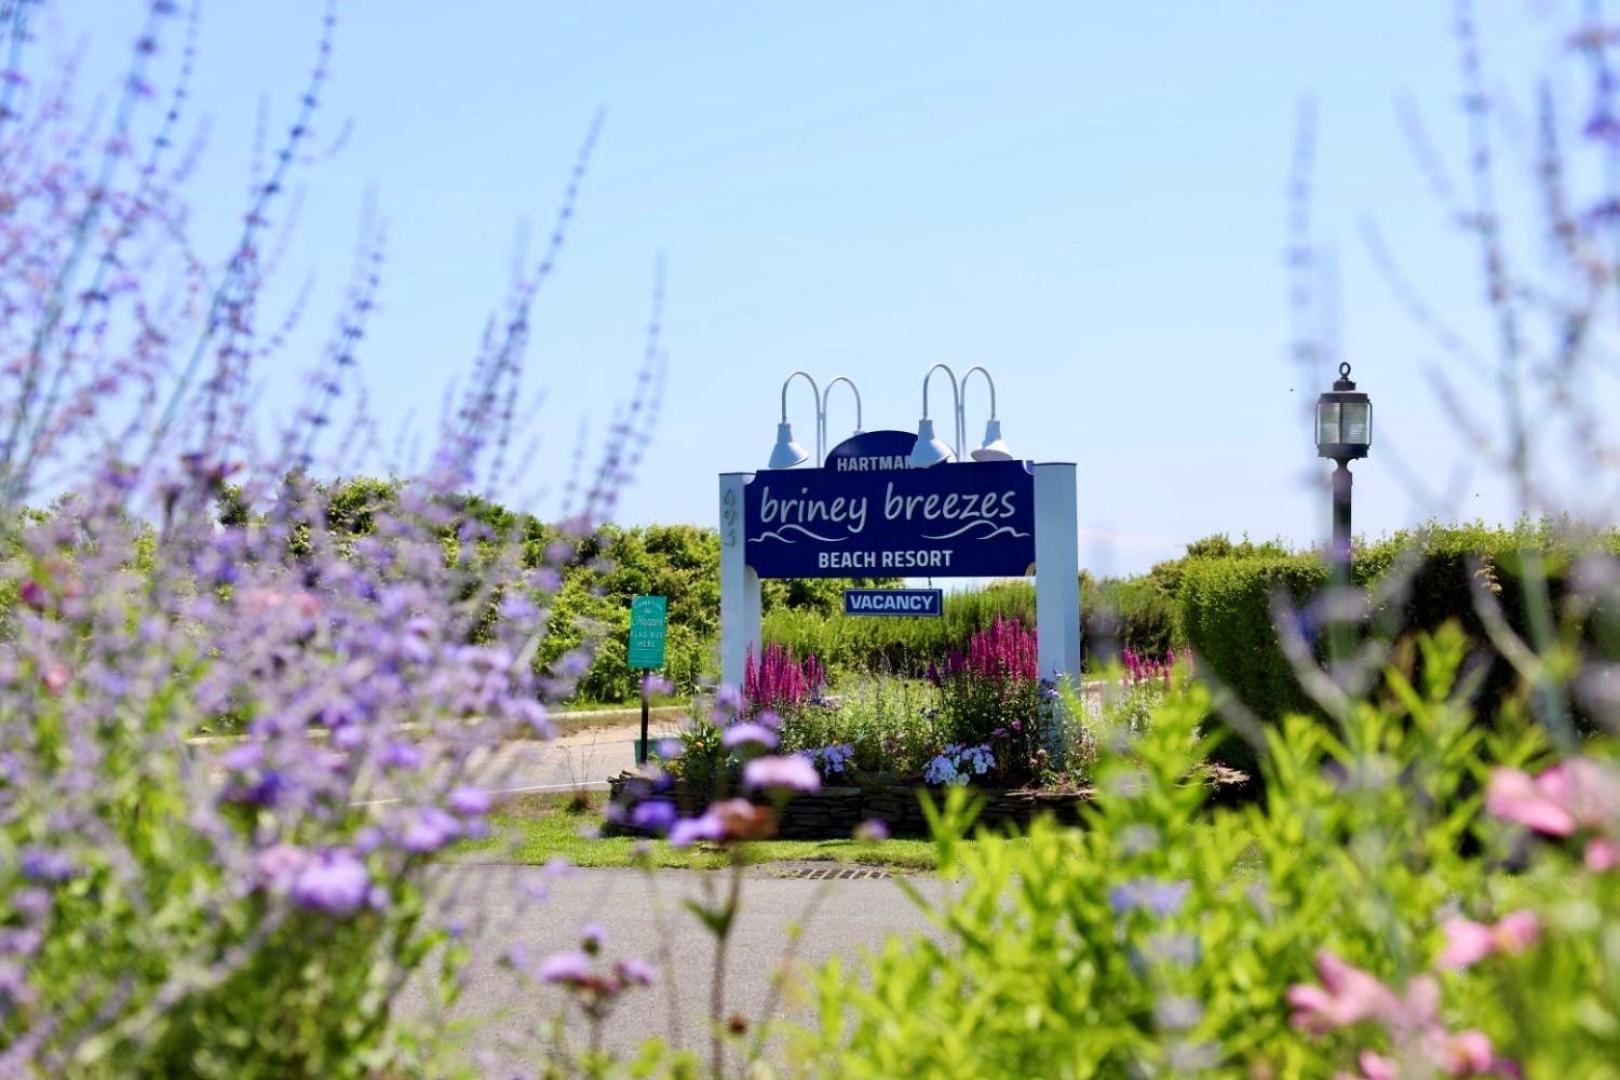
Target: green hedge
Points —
{"points": [[1224, 604], [1225, 608]]}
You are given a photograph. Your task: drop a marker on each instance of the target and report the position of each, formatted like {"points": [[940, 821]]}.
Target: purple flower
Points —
{"points": [[565, 968], [400, 755], [633, 972], [335, 882], [688, 831], [591, 937], [243, 756], [280, 865], [32, 903], [872, 830], [429, 831], [1160, 897], [469, 801], [264, 791], [654, 815], [747, 734], [43, 864], [791, 773]]}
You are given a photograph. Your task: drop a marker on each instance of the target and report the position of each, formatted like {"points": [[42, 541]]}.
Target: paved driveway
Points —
{"points": [[500, 911]]}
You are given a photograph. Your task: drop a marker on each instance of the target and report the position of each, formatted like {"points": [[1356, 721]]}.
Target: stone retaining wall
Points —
{"points": [[834, 812]]}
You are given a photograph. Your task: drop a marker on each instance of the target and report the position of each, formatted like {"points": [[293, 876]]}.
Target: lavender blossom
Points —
{"points": [[688, 831], [1162, 898], [468, 802], [565, 968], [791, 773], [335, 883], [750, 736], [653, 815]]}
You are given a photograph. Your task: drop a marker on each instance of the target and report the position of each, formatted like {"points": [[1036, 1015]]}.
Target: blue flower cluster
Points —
{"points": [[956, 765], [832, 760]]}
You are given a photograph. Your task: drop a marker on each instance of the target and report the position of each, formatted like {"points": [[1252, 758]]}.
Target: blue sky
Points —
{"points": [[1086, 198]]}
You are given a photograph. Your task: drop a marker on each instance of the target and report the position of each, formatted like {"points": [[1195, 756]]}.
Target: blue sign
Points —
{"points": [[968, 519], [894, 602], [873, 451]]}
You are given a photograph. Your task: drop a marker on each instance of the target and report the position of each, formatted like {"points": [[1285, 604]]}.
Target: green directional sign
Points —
{"points": [[648, 621]]}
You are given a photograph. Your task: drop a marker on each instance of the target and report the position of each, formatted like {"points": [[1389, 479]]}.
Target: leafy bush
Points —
{"points": [[1118, 614], [1340, 925], [890, 724], [1417, 580], [1226, 612]]}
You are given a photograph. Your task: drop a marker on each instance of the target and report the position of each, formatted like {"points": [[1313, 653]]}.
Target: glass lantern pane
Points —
{"points": [[1358, 423], [1327, 423]]}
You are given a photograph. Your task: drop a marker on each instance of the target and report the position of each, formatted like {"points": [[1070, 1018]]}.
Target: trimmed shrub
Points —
{"points": [[1225, 605]]}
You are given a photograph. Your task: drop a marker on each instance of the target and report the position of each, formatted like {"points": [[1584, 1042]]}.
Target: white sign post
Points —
{"points": [[1057, 572], [739, 585]]}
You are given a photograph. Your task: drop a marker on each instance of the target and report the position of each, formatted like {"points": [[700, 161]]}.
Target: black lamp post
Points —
{"points": [[1343, 433]]}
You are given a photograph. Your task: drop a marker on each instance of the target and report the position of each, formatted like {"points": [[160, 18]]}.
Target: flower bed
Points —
{"points": [[835, 812]]}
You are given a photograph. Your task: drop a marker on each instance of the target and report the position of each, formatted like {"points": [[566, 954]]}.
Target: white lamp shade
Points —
{"points": [[928, 449], [995, 447], [787, 453]]}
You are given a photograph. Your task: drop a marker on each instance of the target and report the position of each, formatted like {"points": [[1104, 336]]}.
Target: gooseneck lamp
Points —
{"points": [[787, 453]]}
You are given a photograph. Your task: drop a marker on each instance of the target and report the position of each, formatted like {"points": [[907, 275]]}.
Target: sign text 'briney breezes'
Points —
{"points": [[851, 519]]}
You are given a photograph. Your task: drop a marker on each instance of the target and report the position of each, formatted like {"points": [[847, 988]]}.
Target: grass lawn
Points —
{"points": [[534, 829]]}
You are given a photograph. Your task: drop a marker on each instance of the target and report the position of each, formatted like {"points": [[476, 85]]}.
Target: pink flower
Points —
{"points": [[1469, 942], [1515, 796], [791, 773], [1517, 931], [1468, 1053], [1375, 1066], [1602, 855], [1588, 790], [1348, 995], [1578, 793]]}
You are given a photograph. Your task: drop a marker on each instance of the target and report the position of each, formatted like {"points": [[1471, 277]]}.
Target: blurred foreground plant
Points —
{"points": [[172, 907], [1370, 910]]}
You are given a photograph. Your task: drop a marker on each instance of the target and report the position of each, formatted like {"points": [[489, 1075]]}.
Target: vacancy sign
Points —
{"points": [[925, 602]]}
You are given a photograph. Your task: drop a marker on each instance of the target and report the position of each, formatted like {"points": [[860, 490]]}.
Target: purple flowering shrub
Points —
{"points": [[1146, 669], [992, 695], [780, 682], [170, 906]]}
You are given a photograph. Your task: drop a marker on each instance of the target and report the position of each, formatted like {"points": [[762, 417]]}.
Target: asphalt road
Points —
{"points": [[498, 911], [583, 760]]}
